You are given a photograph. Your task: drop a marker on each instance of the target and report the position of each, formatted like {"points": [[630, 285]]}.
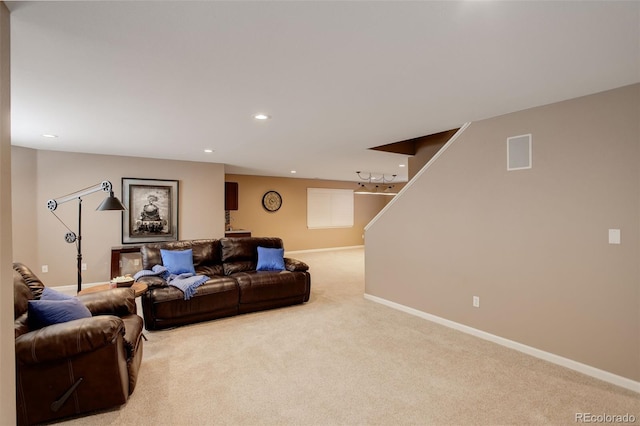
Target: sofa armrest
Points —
{"points": [[152, 281], [64, 340], [117, 301], [295, 265]]}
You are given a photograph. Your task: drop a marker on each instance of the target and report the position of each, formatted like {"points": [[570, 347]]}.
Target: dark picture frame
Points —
{"points": [[152, 210]]}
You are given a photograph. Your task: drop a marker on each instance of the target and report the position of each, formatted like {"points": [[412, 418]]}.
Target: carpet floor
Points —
{"points": [[342, 360]]}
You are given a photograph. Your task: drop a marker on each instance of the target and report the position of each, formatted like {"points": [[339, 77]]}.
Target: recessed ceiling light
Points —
{"points": [[261, 116], [208, 151], [293, 172], [401, 165], [50, 136]]}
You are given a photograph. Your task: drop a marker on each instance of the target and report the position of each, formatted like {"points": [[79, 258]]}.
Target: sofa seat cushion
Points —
{"points": [[213, 286], [219, 293], [210, 270], [259, 286]]}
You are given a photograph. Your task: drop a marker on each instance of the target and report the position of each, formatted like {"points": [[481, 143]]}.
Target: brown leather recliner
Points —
{"points": [[78, 366]]}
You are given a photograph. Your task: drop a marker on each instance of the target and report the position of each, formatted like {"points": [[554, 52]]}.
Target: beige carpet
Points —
{"points": [[343, 360]]}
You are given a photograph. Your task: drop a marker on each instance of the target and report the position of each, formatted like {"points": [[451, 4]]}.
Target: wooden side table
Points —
{"points": [[239, 233], [138, 288]]}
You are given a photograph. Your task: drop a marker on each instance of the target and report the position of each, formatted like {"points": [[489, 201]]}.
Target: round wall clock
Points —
{"points": [[271, 201]]}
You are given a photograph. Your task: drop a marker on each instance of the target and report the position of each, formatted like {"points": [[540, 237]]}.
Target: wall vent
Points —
{"points": [[519, 152]]}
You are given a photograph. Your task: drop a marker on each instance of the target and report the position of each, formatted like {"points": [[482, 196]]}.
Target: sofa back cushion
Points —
{"points": [[21, 295], [241, 254], [206, 255], [26, 286]]}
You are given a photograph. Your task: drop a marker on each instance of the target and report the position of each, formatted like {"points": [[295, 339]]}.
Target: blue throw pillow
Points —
{"points": [[47, 312], [178, 261], [270, 259], [50, 294]]}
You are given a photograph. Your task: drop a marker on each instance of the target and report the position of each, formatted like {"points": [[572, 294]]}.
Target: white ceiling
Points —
{"points": [[169, 79]]}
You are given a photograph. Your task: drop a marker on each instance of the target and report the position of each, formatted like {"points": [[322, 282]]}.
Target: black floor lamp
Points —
{"points": [[109, 203]]}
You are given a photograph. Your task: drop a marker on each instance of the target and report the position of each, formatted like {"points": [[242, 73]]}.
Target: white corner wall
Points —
{"points": [[7, 337], [531, 244]]}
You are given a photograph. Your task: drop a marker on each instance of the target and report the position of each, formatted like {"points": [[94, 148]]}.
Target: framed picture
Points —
{"points": [[152, 210]]}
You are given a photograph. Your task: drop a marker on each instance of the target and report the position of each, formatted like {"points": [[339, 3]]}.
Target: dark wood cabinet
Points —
{"points": [[231, 195], [125, 260], [238, 234]]}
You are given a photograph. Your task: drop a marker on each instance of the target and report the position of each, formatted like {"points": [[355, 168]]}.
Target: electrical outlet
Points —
{"points": [[476, 302], [614, 236], [136, 262], [45, 268], [84, 266]]}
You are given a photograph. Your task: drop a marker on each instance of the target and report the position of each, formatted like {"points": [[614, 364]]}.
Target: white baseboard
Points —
{"points": [[323, 249], [547, 356]]}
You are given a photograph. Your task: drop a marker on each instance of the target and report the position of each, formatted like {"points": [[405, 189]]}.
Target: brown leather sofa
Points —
{"points": [[234, 285], [78, 366]]}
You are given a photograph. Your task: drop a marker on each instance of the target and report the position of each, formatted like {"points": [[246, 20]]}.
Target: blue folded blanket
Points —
{"points": [[188, 283], [156, 271]]}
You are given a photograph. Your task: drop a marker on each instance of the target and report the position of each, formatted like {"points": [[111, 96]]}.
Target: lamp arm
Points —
{"points": [[102, 186]]}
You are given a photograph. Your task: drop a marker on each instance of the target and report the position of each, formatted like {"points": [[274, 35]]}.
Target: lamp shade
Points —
{"points": [[111, 203]]}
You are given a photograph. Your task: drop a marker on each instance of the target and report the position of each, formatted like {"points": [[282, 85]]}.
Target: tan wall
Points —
{"points": [[532, 244], [423, 154], [426, 149], [290, 222], [7, 345], [201, 207], [23, 198], [40, 175]]}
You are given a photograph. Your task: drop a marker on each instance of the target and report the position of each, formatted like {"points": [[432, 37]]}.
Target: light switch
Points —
{"points": [[614, 236]]}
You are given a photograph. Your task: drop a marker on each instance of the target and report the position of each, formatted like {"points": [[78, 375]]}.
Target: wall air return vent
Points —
{"points": [[519, 152]]}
